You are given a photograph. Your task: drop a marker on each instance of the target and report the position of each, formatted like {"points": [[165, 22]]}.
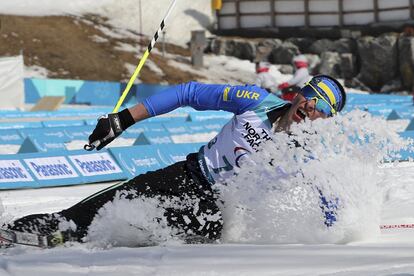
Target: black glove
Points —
{"points": [[108, 128]]}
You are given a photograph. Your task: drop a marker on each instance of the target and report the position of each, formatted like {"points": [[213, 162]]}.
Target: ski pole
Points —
{"points": [[90, 147]]}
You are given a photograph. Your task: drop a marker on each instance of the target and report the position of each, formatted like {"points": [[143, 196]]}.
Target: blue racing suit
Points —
{"points": [[240, 137]]}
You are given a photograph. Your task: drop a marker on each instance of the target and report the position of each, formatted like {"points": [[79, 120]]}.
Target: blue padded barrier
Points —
{"points": [[405, 112], [135, 130], [63, 123], [178, 128], [153, 138], [172, 154], [137, 159], [406, 154], [74, 91], [78, 132], [167, 118], [98, 93], [354, 98], [393, 116], [193, 127], [56, 132], [211, 125], [210, 115], [410, 125], [38, 88], [407, 134], [215, 126], [10, 137], [91, 122], [141, 159], [24, 114], [63, 113], [76, 113], [20, 125], [31, 92], [32, 144], [147, 126], [196, 127], [381, 112]]}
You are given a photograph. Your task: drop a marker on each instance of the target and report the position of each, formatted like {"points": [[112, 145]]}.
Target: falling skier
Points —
{"points": [[196, 214]]}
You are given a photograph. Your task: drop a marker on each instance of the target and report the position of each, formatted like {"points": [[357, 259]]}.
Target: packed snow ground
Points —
{"points": [[278, 235]]}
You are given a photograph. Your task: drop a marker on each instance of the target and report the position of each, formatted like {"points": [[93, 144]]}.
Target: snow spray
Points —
{"points": [[276, 200]]}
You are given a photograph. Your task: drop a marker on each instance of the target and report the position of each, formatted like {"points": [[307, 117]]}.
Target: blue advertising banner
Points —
{"points": [[10, 137], [138, 128], [55, 132], [79, 132], [24, 114], [168, 118], [32, 144], [136, 160], [63, 123], [153, 138], [172, 154], [210, 115], [91, 122], [51, 169], [406, 113], [96, 167], [20, 125], [33, 170], [215, 125], [14, 174], [179, 128]]}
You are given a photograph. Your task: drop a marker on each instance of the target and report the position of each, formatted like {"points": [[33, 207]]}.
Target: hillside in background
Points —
{"points": [[87, 47]]}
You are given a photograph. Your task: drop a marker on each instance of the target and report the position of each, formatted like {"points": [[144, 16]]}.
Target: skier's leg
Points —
{"points": [[198, 215], [194, 211], [82, 213], [177, 180]]}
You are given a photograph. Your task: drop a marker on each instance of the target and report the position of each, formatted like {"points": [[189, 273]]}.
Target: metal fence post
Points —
{"points": [[198, 43], [238, 14], [376, 12], [341, 12], [307, 19]]}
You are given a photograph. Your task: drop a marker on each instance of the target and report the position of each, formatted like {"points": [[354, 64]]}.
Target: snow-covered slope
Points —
{"points": [[188, 15]]}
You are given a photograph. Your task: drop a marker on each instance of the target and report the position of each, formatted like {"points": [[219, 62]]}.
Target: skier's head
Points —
{"points": [[321, 97], [328, 93], [300, 61]]}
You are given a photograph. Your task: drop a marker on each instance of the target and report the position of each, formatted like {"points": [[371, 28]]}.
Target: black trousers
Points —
{"points": [[198, 218]]}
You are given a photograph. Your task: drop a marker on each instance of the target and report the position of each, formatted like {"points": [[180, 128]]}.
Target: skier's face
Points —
{"points": [[302, 108]]}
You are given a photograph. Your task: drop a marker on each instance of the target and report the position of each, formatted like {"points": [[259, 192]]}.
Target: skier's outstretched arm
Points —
{"points": [[197, 95]]}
